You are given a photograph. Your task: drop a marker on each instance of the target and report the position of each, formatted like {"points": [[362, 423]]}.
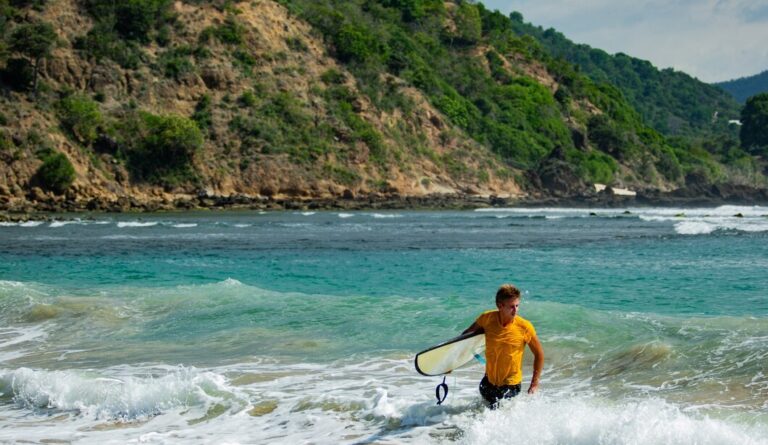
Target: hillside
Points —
{"points": [[745, 87], [152, 104], [672, 102]]}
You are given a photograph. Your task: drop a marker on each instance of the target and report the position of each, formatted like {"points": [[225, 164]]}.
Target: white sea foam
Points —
{"points": [[184, 225], [231, 282], [706, 225], [695, 228], [112, 397], [13, 337], [356, 401], [387, 215], [686, 221], [346, 215], [589, 420], [123, 224], [56, 224], [30, 224]]}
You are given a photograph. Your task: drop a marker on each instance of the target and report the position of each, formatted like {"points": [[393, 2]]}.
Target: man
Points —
{"points": [[506, 335]]}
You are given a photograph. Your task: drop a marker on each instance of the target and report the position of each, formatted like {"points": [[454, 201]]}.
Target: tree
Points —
{"points": [[468, 23], [136, 18], [34, 41], [754, 128]]}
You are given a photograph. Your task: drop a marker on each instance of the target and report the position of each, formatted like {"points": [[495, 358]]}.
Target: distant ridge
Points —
{"points": [[672, 102], [745, 87]]}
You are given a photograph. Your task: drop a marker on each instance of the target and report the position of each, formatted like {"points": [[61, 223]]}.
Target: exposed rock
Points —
{"points": [[558, 177], [216, 77]]}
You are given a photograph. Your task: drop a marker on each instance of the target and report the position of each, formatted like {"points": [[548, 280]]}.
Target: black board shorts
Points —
{"points": [[493, 393]]}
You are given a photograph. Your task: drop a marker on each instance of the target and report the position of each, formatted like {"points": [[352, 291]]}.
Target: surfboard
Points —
{"points": [[450, 355]]}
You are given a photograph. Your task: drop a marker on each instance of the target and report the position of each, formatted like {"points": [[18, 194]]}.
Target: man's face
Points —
{"points": [[508, 308]]}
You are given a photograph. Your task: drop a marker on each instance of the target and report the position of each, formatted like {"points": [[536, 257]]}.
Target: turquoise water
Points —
{"points": [[248, 327]]}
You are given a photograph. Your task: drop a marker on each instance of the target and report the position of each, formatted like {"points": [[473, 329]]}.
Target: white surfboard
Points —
{"points": [[450, 355]]}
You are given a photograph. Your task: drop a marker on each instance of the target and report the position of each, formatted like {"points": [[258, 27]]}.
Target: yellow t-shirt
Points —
{"points": [[504, 346]]}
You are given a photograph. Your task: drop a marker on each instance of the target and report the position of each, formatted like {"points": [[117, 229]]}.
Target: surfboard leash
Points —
{"points": [[444, 387]]}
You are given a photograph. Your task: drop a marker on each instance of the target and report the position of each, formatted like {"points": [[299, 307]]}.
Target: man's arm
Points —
{"points": [[538, 363], [474, 328]]}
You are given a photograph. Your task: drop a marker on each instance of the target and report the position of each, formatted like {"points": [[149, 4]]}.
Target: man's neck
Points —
{"points": [[505, 321]]}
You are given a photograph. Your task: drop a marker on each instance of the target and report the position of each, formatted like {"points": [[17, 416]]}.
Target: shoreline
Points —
{"points": [[60, 208]]}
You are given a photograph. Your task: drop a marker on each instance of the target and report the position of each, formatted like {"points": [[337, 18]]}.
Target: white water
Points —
{"points": [[371, 401]]}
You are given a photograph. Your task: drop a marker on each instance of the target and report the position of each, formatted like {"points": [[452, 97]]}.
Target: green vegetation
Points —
{"points": [[203, 113], [131, 19], [744, 88], [230, 32], [35, 41], [81, 117], [161, 149], [279, 123], [122, 27], [530, 96], [671, 102], [176, 63], [56, 174], [754, 129]]}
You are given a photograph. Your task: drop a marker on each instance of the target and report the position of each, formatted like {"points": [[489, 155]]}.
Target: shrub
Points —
{"points": [[103, 42], [18, 74], [668, 165], [355, 43], [56, 174], [247, 99], [230, 32], [165, 148], [297, 44], [341, 174], [176, 63], [6, 143], [202, 115], [468, 23], [332, 77], [81, 117], [594, 166], [136, 18]]}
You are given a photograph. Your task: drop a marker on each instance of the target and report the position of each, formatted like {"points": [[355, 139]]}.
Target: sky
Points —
{"points": [[712, 40]]}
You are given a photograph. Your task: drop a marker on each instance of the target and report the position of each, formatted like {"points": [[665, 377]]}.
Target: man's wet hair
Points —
{"points": [[507, 292]]}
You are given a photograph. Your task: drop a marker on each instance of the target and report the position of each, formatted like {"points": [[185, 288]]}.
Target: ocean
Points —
{"points": [[301, 327]]}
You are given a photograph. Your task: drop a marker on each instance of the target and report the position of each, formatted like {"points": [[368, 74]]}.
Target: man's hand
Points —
{"points": [[533, 388]]}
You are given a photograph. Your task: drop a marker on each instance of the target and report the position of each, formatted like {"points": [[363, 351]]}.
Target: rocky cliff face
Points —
{"points": [[220, 103], [283, 57]]}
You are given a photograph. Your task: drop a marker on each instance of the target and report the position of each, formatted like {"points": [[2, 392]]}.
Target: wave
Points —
{"points": [[591, 420], [124, 224], [56, 224], [705, 226], [11, 338], [386, 215], [110, 395]]}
